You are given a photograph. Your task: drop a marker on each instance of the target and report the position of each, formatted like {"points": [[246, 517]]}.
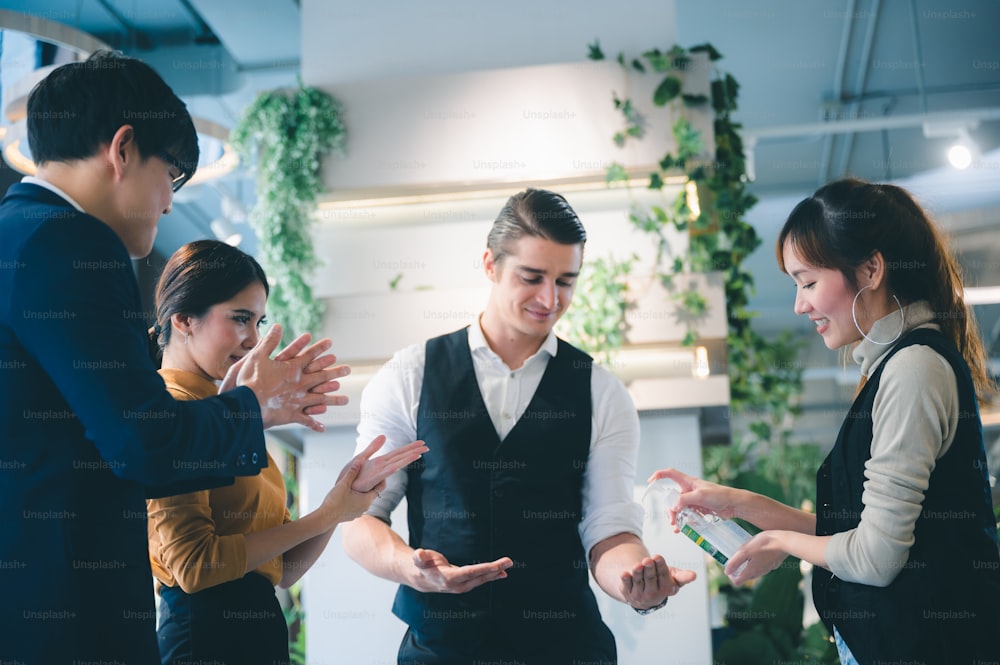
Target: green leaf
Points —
{"points": [[679, 57], [594, 51], [713, 55], [616, 173], [638, 66], [658, 61], [694, 100], [286, 133], [655, 181], [668, 89]]}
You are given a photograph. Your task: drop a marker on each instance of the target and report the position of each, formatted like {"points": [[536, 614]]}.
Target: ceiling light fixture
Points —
{"points": [[962, 152], [217, 159], [952, 120]]}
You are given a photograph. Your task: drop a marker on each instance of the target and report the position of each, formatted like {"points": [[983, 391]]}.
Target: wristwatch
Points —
{"points": [[650, 610]]}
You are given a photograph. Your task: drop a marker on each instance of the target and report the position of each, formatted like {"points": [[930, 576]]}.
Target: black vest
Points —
{"points": [[944, 606], [475, 499]]}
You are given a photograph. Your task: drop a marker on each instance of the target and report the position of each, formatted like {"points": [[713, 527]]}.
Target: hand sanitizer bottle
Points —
{"points": [[716, 535]]}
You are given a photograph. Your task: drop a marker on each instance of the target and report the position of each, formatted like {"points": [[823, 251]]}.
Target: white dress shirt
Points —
{"points": [[390, 402]]}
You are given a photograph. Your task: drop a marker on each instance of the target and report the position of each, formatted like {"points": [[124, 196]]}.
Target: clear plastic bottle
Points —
{"points": [[716, 535]]}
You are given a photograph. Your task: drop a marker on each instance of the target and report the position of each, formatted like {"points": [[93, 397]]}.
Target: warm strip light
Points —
{"points": [[228, 161], [701, 367], [17, 160], [694, 205], [441, 194]]}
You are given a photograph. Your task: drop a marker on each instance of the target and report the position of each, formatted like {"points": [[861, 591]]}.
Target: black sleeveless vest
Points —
{"points": [[475, 499], [944, 606]]}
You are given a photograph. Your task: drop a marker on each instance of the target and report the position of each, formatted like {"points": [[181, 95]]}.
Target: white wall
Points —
{"points": [[348, 613], [365, 41]]}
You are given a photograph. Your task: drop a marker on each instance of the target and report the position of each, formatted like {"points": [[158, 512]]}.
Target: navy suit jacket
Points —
{"points": [[86, 425]]}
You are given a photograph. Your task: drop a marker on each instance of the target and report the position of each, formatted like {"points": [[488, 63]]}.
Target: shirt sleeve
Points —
{"points": [[914, 416], [609, 506], [82, 323], [389, 406], [190, 549]]}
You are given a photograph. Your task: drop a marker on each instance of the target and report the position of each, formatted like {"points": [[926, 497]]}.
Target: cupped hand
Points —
{"points": [[652, 580], [435, 574]]}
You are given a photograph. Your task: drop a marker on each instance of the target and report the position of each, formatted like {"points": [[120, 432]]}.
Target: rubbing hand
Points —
{"points": [[294, 385]]}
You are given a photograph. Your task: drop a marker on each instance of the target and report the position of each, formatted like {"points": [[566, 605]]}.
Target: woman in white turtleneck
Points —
{"points": [[904, 541]]}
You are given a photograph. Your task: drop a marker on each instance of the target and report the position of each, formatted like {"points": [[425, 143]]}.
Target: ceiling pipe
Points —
{"points": [[969, 116], [919, 53], [864, 67], [840, 72], [133, 36]]}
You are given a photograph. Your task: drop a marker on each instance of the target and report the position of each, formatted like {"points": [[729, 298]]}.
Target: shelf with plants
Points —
{"points": [[764, 378]]}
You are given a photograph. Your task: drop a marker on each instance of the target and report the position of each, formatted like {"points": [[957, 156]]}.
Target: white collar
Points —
{"points": [[477, 340], [34, 180]]}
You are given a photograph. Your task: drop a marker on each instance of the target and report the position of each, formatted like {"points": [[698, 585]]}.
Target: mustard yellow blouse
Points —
{"points": [[196, 540]]}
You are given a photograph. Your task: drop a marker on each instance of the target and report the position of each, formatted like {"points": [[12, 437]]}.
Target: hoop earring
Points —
{"points": [[854, 315]]}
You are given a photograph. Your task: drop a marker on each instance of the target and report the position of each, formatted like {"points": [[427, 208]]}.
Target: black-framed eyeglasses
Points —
{"points": [[184, 176]]}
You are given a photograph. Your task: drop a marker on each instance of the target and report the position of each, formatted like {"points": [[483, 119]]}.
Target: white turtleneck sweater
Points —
{"points": [[914, 419]]}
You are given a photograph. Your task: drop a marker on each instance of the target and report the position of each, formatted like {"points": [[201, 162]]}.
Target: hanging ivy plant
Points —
{"points": [[596, 322], [286, 133], [764, 378]]}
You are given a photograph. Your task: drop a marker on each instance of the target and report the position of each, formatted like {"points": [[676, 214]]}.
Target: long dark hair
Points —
{"points": [[846, 221], [199, 275]]}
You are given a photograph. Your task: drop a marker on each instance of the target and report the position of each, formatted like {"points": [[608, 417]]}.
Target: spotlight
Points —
{"points": [[963, 150], [960, 156]]}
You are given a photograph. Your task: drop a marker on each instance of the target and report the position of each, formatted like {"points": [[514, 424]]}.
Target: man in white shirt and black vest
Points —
{"points": [[528, 483]]}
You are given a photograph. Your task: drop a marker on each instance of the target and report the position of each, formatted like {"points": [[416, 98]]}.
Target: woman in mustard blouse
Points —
{"points": [[217, 554]]}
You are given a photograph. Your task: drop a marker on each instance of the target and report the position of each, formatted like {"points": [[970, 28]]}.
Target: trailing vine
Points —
{"points": [[596, 323], [286, 133], [765, 379], [762, 379]]}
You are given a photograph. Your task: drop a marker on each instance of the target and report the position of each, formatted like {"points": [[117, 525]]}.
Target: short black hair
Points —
{"points": [[78, 108]]}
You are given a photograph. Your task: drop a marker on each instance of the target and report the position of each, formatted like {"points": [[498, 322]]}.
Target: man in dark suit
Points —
{"points": [[86, 424]]}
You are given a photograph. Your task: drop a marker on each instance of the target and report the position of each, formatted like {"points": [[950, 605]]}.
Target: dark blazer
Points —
{"points": [[85, 425]]}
